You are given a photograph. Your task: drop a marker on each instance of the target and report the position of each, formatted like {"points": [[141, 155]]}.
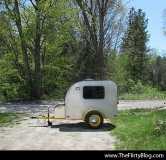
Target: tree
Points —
{"points": [[36, 34], [33, 80], [100, 25], [159, 73], [134, 43]]}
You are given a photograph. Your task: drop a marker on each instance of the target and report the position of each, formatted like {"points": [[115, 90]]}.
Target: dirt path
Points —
{"points": [[41, 107], [33, 134], [132, 104]]}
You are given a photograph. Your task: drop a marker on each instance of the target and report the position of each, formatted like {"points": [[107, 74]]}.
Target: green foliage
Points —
{"points": [[56, 53], [134, 44], [66, 54], [135, 130], [147, 92], [160, 128], [116, 69], [9, 118], [137, 88], [84, 67], [57, 77], [10, 81], [159, 73], [59, 58]]}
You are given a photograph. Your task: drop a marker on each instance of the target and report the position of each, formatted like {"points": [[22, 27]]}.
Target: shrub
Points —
{"points": [[138, 88], [135, 87], [159, 127], [10, 81]]}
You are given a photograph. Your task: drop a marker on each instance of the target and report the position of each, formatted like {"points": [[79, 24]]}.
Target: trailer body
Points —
{"points": [[90, 95]]}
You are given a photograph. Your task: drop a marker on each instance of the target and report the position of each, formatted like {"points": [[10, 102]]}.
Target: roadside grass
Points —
{"points": [[139, 129], [9, 118], [147, 93]]}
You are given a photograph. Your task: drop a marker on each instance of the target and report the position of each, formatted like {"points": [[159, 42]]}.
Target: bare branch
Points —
{"points": [[33, 4]]}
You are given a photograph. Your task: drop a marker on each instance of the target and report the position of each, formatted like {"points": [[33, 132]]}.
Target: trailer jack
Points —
{"points": [[48, 121]]}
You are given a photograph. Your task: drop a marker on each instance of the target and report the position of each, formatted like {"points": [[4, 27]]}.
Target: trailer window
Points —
{"points": [[93, 92]]}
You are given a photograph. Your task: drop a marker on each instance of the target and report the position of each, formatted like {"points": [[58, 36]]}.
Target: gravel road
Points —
{"points": [[41, 107], [33, 134], [132, 104]]}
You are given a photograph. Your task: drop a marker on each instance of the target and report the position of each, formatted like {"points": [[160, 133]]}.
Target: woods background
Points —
{"points": [[45, 46]]}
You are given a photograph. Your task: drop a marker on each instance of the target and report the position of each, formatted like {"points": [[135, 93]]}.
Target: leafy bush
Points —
{"points": [[57, 77], [137, 88], [10, 81], [160, 127], [130, 84], [141, 92]]}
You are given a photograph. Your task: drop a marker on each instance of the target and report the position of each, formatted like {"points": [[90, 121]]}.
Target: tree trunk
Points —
{"points": [[27, 70], [37, 56], [100, 54]]}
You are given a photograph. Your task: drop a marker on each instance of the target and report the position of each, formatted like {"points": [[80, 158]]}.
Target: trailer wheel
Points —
{"points": [[94, 119]]}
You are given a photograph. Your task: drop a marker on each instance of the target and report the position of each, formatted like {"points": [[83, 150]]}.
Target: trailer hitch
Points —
{"points": [[48, 120]]}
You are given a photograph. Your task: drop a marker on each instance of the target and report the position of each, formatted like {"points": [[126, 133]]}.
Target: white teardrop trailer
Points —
{"points": [[91, 101]]}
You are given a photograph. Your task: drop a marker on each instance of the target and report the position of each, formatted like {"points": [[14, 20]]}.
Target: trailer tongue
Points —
{"points": [[48, 113]]}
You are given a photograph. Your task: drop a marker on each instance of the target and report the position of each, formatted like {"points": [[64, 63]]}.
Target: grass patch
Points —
{"points": [[136, 130], [145, 93], [9, 118]]}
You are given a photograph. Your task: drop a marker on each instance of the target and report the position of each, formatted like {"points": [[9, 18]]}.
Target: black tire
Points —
{"points": [[99, 121]]}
